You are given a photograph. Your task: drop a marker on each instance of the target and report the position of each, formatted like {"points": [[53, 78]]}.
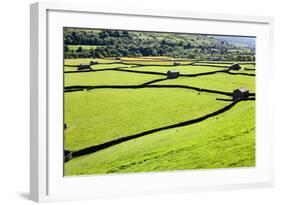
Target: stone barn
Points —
{"points": [[117, 58], [173, 74], [240, 93], [176, 63], [84, 66], [235, 66], [94, 62]]}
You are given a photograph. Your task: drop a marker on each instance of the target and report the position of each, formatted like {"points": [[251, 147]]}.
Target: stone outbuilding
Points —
{"points": [[176, 63], [240, 93], [173, 74], [235, 66], [93, 62], [83, 66]]}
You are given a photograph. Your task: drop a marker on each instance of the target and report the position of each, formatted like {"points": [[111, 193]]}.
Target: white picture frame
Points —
{"points": [[46, 180]]}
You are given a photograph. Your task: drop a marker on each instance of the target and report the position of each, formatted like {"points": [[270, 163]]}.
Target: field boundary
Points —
{"points": [[146, 85], [123, 69]]}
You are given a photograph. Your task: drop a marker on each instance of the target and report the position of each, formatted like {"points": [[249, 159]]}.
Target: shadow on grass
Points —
{"points": [[250, 69], [246, 74], [229, 100]]}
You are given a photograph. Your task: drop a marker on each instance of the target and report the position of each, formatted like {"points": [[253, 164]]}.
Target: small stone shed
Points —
{"points": [[240, 93], [176, 63], [235, 66], [83, 66], [173, 74], [94, 62]]}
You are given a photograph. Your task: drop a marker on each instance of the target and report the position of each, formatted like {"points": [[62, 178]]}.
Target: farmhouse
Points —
{"points": [[176, 63], [235, 66], [240, 93], [84, 66], [173, 74], [94, 62]]}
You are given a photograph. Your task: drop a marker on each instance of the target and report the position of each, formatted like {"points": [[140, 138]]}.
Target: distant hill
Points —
{"points": [[117, 43], [248, 42]]}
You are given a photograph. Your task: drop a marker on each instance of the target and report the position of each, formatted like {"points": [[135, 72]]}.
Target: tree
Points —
{"points": [[79, 49], [66, 48], [127, 43], [125, 33]]}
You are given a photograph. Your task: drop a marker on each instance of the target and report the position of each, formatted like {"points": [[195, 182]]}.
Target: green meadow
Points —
{"points": [[183, 69], [107, 77], [100, 115], [129, 111], [225, 141], [219, 81]]}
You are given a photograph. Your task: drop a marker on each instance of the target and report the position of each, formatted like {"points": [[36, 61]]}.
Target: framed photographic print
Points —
{"points": [[127, 102]]}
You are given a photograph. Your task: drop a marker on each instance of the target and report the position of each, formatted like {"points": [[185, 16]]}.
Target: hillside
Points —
{"points": [[85, 43], [247, 42]]}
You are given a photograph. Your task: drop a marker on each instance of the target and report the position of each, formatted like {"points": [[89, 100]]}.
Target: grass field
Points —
{"points": [[150, 62], [215, 82], [106, 78], [101, 115], [188, 69], [230, 143], [134, 111], [77, 61]]}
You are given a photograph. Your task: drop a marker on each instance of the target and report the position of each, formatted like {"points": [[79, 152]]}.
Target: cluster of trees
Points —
{"points": [[113, 43]]}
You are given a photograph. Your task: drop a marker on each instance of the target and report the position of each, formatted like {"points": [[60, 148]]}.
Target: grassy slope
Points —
{"points": [[243, 71], [96, 67], [229, 144], [219, 142], [107, 78], [227, 65], [70, 68], [227, 62], [148, 62], [77, 61], [97, 116], [189, 69], [103, 66]]}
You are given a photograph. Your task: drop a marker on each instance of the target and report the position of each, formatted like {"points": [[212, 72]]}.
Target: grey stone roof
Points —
{"points": [[243, 89]]}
